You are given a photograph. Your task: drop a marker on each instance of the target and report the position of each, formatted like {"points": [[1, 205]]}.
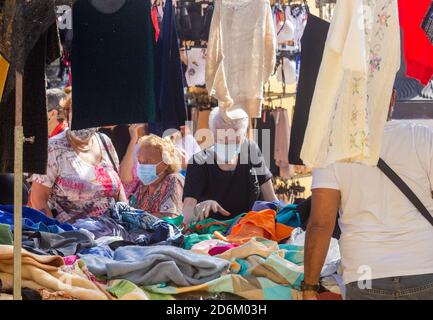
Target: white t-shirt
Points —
{"points": [[383, 234], [189, 144]]}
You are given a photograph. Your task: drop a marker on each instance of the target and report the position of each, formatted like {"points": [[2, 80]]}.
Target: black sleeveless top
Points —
{"points": [[113, 68]]}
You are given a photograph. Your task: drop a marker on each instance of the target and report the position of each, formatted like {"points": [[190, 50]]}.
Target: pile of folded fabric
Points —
{"points": [[128, 254]]}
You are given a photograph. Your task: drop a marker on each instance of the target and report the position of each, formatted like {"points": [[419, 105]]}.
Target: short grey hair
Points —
{"points": [[217, 122], [54, 96]]}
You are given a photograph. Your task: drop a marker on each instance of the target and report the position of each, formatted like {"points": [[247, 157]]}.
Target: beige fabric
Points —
{"points": [[354, 85], [241, 55], [48, 272]]}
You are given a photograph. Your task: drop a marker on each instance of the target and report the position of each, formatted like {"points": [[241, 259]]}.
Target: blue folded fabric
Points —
{"points": [[157, 264], [102, 251], [265, 205], [33, 220]]}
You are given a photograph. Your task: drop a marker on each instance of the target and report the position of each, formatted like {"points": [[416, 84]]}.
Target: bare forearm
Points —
{"points": [[324, 207], [317, 242], [127, 164], [268, 191]]}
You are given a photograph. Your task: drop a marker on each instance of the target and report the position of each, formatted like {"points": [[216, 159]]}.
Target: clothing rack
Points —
{"points": [[188, 44]]}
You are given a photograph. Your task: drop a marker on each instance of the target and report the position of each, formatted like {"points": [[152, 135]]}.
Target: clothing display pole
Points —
{"points": [[18, 178], [18, 185]]}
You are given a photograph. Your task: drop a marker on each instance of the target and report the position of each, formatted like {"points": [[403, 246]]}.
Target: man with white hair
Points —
{"points": [[226, 179]]}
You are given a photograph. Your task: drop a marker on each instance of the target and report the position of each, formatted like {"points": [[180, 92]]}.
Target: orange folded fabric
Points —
{"points": [[257, 225]]}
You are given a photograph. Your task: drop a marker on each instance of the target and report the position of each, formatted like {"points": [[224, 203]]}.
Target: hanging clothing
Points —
{"points": [[313, 44], [240, 56], [427, 23], [45, 49], [113, 65], [169, 81], [155, 22], [282, 141], [418, 51], [354, 86], [196, 72], [265, 128]]}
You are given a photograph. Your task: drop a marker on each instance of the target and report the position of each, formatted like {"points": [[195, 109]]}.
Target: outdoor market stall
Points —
{"points": [[119, 48]]}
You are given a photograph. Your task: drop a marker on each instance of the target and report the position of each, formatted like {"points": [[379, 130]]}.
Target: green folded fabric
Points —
{"points": [[194, 238], [209, 226], [175, 221], [5, 234]]}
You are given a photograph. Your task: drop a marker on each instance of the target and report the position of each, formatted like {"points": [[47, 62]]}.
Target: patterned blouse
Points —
{"points": [[78, 189], [166, 200]]}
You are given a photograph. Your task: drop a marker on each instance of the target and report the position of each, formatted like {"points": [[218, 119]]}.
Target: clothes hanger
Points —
{"points": [[108, 6]]}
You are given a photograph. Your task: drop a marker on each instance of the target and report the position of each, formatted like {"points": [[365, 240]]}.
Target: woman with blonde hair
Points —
{"points": [[150, 172]]}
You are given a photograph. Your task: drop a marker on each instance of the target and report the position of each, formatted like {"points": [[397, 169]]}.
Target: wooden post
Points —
{"points": [[18, 184]]}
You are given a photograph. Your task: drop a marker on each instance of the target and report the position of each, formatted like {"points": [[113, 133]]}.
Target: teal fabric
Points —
{"points": [[289, 216], [194, 238], [209, 226], [293, 253], [176, 221]]}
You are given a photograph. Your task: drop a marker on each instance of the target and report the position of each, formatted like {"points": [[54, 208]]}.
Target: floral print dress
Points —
{"points": [[165, 201], [79, 189]]}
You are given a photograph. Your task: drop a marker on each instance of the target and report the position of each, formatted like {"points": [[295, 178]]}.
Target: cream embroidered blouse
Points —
{"points": [[354, 85]]}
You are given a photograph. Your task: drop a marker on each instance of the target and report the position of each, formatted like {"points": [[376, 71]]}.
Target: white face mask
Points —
{"points": [[227, 152]]}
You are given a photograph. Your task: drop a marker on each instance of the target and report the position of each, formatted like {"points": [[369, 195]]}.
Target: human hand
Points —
{"points": [[203, 209], [133, 131]]}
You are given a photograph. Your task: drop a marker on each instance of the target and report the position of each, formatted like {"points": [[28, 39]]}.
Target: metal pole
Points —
{"points": [[18, 184]]}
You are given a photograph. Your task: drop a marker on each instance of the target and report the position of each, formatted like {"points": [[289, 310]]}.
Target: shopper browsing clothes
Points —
{"points": [[150, 172], [386, 242], [226, 179], [57, 122], [81, 179]]}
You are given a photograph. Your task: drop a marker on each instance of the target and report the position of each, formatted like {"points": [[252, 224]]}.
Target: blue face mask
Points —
{"points": [[146, 173], [227, 152]]}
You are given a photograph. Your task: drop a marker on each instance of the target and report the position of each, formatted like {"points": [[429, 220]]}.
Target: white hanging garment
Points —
{"points": [[196, 72], [354, 85], [241, 56]]}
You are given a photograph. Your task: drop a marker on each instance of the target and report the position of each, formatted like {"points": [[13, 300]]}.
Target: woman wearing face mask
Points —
{"points": [[226, 179], [81, 179], [150, 174]]}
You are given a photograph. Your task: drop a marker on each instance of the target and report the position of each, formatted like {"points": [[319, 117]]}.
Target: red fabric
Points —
{"points": [[221, 249], [155, 22], [60, 128], [329, 296], [418, 51]]}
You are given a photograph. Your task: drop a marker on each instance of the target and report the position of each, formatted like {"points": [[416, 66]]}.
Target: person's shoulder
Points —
{"points": [[58, 142], [204, 156], [421, 132], [175, 177], [104, 136]]}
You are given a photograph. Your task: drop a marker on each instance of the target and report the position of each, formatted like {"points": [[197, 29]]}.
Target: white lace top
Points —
{"points": [[241, 55]]}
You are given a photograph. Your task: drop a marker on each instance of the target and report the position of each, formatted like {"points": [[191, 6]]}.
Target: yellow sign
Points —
{"points": [[4, 68]]}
